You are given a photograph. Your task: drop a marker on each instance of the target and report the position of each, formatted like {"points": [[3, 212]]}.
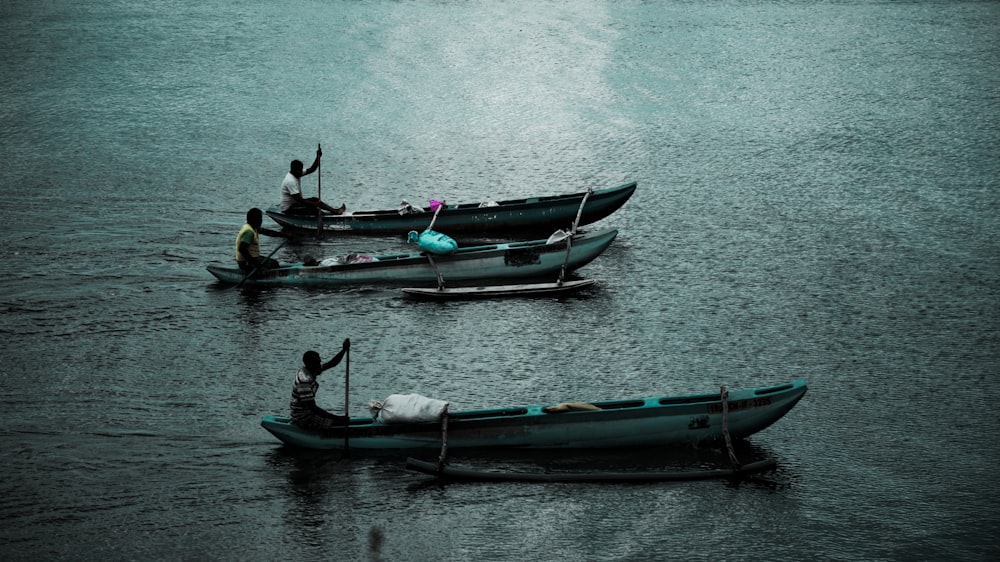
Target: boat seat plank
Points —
{"points": [[498, 412]]}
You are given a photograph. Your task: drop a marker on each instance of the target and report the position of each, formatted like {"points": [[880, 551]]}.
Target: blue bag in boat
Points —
{"points": [[433, 242]]}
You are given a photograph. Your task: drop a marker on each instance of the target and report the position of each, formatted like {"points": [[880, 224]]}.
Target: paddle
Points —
{"points": [[319, 194], [347, 401], [254, 270], [569, 241]]}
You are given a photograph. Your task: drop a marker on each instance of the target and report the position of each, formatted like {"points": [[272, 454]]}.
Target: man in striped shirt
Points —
{"points": [[305, 412]]}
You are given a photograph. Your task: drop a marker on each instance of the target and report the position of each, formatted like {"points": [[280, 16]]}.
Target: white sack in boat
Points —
{"points": [[405, 208], [404, 408], [557, 236]]}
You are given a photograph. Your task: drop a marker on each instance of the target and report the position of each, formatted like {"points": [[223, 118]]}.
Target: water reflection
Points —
{"points": [[318, 494], [330, 497]]}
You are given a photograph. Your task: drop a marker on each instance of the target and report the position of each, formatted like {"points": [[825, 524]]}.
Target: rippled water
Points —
{"points": [[817, 198]]}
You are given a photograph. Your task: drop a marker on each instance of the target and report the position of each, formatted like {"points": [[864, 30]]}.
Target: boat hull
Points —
{"points": [[507, 218], [515, 260], [644, 422]]}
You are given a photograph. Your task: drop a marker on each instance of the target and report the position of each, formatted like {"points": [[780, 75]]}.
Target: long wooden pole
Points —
{"points": [[319, 194], [347, 402], [254, 270]]}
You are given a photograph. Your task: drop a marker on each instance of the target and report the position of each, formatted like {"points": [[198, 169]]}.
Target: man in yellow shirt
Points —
{"points": [[248, 243]]}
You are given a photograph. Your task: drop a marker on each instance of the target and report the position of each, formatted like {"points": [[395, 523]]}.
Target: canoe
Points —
{"points": [[514, 260], [449, 472], [641, 422], [509, 218]]}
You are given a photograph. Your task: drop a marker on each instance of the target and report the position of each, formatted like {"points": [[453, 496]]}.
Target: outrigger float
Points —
{"points": [[448, 472]]}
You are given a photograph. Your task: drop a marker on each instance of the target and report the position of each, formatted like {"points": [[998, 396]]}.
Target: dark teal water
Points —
{"points": [[818, 198]]}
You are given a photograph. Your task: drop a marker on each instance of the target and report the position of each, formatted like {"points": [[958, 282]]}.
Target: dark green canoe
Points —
{"points": [[513, 218]]}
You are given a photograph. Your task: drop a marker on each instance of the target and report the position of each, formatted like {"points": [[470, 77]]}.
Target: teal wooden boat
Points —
{"points": [[508, 218], [641, 422], [505, 261]]}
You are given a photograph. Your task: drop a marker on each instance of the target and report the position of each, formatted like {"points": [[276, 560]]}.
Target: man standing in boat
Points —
{"points": [[292, 201], [248, 244], [305, 412]]}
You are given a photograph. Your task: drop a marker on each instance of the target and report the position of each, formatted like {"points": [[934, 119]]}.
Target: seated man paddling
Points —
{"points": [[248, 244], [305, 412], [292, 201]]}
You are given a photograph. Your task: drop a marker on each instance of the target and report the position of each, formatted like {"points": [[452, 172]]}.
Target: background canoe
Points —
{"points": [[514, 260], [541, 215]]}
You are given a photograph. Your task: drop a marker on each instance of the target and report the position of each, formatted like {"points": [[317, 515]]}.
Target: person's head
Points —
{"points": [[296, 168], [255, 217], [312, 362]]}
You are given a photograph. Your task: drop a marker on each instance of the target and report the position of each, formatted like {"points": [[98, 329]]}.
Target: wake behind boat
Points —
{"points": [[514, 260], [641, 422], [502, 218]]}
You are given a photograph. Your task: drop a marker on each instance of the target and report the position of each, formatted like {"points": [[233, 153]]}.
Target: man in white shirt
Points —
{"points": [[292, 201]]}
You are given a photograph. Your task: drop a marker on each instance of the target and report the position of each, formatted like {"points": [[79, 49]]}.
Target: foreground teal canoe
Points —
{"points": [[502, 218], [515, 260], [642, 422]]}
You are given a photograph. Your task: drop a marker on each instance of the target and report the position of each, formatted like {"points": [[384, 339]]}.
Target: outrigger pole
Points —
{"points": [[569, 241]]}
